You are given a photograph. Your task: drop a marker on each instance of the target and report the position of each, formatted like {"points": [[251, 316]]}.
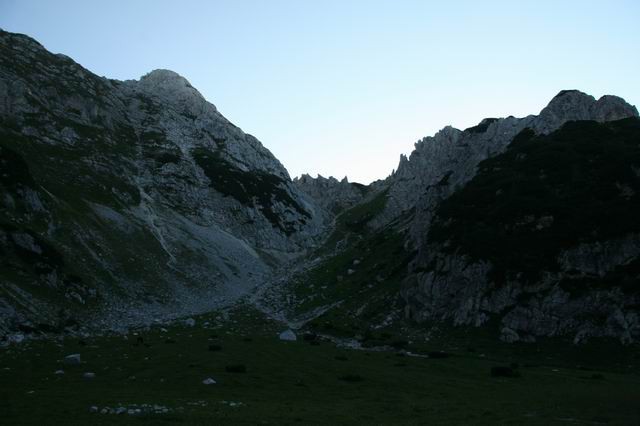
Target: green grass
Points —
{"points": [[366, 295], [67, 228], [358, 271], [299, 383], [353, 221]]}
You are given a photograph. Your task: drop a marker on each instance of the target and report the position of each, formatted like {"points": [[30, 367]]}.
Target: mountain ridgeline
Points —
{"points": [[131, 200], [122, 202]]}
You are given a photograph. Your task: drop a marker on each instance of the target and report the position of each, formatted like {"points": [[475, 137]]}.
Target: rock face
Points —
{"points": [[333, 195], [513, 221], [133, 199], [443, 163]]}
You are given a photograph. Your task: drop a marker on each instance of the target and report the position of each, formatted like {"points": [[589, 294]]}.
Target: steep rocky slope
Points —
{"points": [[131, 199], [526, 222], [524, 225], [122, 202], [544, 239]]}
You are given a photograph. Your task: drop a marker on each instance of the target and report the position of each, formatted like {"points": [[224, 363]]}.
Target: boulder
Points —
{"points": [[288, 335], [16, 338], [209, 381], [73, 359], [509, 335]]}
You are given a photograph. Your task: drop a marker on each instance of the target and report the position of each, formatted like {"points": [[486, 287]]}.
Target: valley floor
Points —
{"points": [[156, 376]]}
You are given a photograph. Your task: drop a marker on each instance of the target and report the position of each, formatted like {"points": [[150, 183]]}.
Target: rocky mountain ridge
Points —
{"points": [[441, 163], [142, 193], [450, 280], [453, 286], [331, 194], [124, 202], [530, 239]]}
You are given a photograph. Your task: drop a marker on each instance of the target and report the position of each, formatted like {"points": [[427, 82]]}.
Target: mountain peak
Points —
{"points": [[172, 87], [165, 76], [569, 102], [609, 108], [574, 105], [161, 80]]}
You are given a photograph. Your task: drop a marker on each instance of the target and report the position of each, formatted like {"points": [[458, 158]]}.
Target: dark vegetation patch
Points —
{"points": [[439, 354], [156, 146], [482, 127], [546, 194], [626, 277], [90, 170], [311, 337], [372, 339], [236, 368], [353, 221], [30, 260], [503, 371], [351, 378], [153, 136], [360, 187], [445, 179], [255, 188], [357, 217], [166, 157], [14, 171], [28, 248], [371, 289]]}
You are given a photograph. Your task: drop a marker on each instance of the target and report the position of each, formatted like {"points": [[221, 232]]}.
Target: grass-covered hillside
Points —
{"points": [[352, 282]]}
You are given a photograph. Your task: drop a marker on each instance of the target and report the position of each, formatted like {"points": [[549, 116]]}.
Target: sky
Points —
{"points": [[342, 88]]}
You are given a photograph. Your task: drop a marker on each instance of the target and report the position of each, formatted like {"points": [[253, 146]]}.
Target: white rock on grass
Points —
{"points": [[508, 335], [190, 322], [73, 359], [288, 335], [58, 372], [209, 381], [16, 338], [89, 375]]}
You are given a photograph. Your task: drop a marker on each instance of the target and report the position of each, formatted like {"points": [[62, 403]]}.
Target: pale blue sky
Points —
{"points": [[344, 87]]}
